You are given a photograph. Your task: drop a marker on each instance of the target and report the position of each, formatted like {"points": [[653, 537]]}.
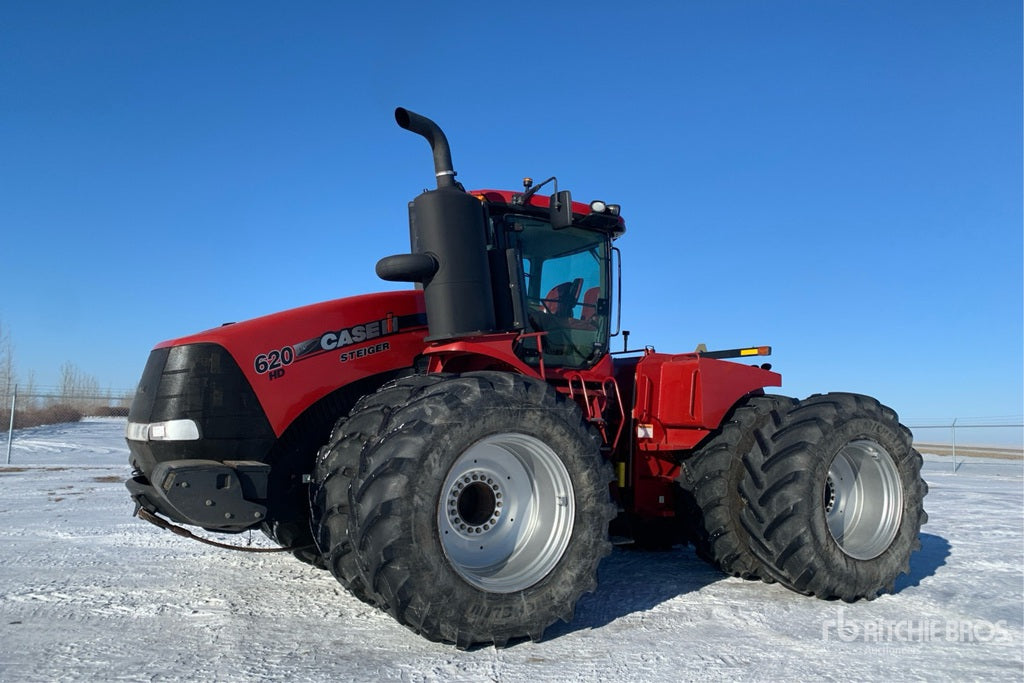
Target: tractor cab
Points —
{"points": [[559, 282], [566, 284], [518, 265]]}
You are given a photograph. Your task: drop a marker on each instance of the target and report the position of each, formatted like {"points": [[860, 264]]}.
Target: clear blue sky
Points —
{"points": [[841, 180]]}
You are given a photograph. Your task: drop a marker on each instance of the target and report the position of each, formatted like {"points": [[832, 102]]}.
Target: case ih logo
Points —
{"points": [[329, 341], [272, 363]]}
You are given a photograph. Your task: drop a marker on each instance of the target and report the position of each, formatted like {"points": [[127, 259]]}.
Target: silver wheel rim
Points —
{"points": [[506, 512], [863, 499]]}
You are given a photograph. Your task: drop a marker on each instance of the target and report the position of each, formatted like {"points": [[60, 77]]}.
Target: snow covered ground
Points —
{"points": [[89, 593]]}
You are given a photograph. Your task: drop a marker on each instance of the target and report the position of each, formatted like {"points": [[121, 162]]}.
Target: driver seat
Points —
{"points": [[563, 297]]}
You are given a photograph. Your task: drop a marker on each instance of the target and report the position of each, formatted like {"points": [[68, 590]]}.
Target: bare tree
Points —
{"points": [[29, 391], [7, 375], [76, 385]]}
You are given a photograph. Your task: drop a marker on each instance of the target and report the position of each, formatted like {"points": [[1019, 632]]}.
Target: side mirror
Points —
{"points": [[560, 210]]}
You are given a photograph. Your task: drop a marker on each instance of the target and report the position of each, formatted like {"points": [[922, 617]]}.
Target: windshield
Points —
{"points": [[566, 284]]}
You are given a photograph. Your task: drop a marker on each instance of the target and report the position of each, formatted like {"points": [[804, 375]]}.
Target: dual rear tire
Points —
{"points": [[824, 495], [835, 504]]}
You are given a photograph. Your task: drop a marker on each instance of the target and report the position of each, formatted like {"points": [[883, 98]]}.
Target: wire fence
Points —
{"points": [[987, 438], [22, 410], [983, 440]]}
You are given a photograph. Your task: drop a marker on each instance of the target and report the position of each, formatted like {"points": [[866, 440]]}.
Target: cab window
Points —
{"points": [[566, 285]]}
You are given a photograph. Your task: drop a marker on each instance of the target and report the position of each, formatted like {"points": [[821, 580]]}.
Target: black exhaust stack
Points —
{"points": [[447, 231], [438, 144]]}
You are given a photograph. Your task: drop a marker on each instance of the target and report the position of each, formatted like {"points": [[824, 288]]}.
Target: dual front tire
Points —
{"points": [[472, 508]]}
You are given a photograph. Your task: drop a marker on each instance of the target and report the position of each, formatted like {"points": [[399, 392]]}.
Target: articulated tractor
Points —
{"points": [[463, 453]]}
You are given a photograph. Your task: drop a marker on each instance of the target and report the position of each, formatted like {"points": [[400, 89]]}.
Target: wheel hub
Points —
{"points": [[829, 498], [506, 512], [863, 499], [474, 503]]}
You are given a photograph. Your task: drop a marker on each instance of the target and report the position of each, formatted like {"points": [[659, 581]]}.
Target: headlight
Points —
{"points": [[170, 430]]}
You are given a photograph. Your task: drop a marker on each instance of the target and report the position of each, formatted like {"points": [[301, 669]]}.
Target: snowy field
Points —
{"points": [[89, 593]]}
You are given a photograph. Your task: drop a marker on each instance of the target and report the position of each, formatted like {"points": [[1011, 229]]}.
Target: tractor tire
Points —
{"points": [[294, 535], [293, 457], [481, 509], [710, 481], [835, 500], [336, 466]]}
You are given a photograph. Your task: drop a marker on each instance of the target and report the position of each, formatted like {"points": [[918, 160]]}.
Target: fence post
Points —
{"points": [[952, 429], [10, 425]]}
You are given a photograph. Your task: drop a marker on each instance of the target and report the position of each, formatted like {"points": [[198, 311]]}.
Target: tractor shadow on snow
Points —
{"points": [[925, 562], [633, 581]]}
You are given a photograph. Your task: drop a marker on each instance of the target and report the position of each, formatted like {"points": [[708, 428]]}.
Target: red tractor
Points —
{"points": [[463, 454]]}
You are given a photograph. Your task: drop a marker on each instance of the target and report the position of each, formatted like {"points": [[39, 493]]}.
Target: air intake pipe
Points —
{"points": [[447, 232]]}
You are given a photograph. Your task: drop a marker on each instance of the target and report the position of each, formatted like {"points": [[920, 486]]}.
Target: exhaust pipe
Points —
{"points": [[421, 125], [448, 240]]}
